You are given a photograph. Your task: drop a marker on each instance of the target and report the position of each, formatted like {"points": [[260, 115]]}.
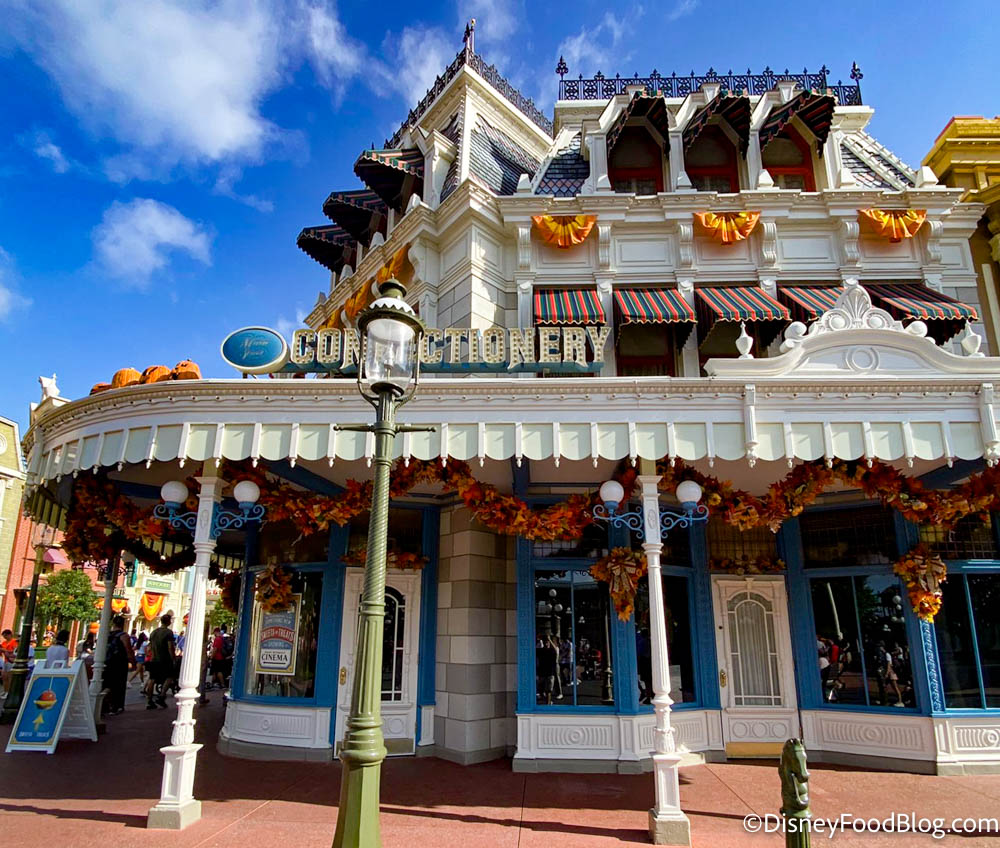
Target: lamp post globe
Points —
{"points": [[246, 493], [390, 332], [611, 494], [174, 492], [688, 493]]}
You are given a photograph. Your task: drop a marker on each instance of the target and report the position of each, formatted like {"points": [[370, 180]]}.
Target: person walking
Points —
{"points": [[118, 660], [141, 644], [218, 657], [8, 649], [161, 655], [85, 653]]}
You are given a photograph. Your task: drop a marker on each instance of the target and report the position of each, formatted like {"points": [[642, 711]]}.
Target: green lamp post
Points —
{"points": [[387, 378]]}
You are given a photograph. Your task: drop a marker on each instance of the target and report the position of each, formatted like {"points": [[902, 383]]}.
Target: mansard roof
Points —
{"points": [[497, 160], [567, 171]]}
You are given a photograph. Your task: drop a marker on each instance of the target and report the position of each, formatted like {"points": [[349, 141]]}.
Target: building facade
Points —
{"points": [[719, 276], [12, 476]]}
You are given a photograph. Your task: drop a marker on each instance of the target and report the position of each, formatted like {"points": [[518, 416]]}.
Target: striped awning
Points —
{"points": [[735, 110], [359, 213], [394, 175], [814, 110], [653, 109], [740, 303], [652, 306], [329, 245], [568, 306], [807, 303]]}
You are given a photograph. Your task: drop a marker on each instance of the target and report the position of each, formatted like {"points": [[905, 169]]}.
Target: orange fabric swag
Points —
{"points": [[151, 604], [564, 230], [893, 224], [358, 301], [727, 227], [118, 605]]}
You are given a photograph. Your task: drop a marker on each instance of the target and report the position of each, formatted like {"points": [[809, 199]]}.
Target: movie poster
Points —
{"points": [[277, 637]]}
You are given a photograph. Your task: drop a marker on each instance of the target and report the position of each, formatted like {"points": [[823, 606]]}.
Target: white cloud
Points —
{"points": [[133, 240], [336, 57], [496, 20], [286, 327], [42, 145], [10, 299], [596, 48], [683, 7], [421, 54]]}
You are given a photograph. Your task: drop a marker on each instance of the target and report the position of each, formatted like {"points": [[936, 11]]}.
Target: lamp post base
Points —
{"points": [[669, 828], [358, 815], [177, 807]]}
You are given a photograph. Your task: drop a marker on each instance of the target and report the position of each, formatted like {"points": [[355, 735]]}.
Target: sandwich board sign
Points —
{"points": [[56, 705]]}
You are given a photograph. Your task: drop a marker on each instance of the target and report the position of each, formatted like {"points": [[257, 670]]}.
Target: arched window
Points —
{"points": [[788, 161], [711, 162], [635, 163]]}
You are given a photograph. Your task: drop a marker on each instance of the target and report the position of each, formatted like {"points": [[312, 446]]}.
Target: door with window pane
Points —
{"points": [[756, 687], [399, 657]]}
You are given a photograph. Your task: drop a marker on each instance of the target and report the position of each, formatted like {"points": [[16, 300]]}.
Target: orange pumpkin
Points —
{"points": [[186, 370], [155, 373], [125, 377], [99, 387]]}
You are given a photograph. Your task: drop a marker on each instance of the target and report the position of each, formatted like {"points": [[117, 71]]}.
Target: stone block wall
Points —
{"points": [[476, 673]]}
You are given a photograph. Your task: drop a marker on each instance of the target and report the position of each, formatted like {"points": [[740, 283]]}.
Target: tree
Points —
{"points": [[66, 596], [220, 616]]}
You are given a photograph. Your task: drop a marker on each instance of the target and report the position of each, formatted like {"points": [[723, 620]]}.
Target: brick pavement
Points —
{"points": [[98, 794]]}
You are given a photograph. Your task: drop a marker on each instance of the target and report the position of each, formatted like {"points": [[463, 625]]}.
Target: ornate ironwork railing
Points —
{"points": [[600, 87], [466, 56]]}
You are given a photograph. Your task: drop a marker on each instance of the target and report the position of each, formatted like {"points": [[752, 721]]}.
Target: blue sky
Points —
{"points": [[159, 158]]}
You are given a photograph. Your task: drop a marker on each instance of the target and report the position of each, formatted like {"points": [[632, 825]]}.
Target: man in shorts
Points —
{"points": [[161, 655]]}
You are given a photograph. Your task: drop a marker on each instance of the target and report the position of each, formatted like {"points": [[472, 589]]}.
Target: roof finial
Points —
{"points": [[562, 69], [470, 36]]}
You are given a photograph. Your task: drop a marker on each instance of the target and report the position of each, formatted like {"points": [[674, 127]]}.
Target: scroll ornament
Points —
{"points": [[893, 224], [727, 227], [621, 570], [564, 230], [923, 572]]}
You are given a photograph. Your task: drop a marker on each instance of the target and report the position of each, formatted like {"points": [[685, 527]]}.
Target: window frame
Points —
{"points": [[805, 170], [731, 169]]}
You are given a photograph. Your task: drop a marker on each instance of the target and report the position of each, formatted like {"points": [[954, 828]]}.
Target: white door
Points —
{"points": [[399, 657], [756, 682]]}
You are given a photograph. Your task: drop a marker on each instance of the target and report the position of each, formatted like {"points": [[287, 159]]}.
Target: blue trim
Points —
{"points": [[237, 680], [303, 477], [802, 623], [525, 628], [703, 647], [945, 475], [427, 643], [924, 663], [624, 663]]}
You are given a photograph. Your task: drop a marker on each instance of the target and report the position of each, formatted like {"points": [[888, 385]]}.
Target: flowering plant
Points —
{"points": [[923, 572]]}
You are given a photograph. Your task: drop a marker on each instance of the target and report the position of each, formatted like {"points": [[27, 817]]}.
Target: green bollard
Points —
{"points": [[795, 794]]}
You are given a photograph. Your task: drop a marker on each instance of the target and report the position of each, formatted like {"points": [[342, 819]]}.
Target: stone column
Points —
{"points": [[667, 824], [178, 807]]}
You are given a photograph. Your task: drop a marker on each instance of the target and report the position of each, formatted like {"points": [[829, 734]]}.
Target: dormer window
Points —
{"points": [[789, 161], [635, 164], [711, 162]]}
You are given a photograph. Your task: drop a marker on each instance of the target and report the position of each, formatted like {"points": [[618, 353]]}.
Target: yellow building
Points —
{"points": [[11, 489], [967, 155]]}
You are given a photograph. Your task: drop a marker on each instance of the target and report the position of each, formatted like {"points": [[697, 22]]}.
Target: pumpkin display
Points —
{"points": [[125, 377], [99, 387], [186, 370], [155, 373]]}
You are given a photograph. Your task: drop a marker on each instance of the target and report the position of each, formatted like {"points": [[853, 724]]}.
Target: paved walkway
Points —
{"points": [[90, 794]]}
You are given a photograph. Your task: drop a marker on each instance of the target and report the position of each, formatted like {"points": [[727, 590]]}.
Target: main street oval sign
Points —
{"points": [[255, 350]]}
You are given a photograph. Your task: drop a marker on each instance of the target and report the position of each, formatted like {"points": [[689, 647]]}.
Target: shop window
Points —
{"points": [[727, 542], [646, 350], [711, 162], [863, 653], [753, 656], [405, 532], [393, 644], [848, 537], [676, 600], [280, 541], [635, 163], [593, 544], [968, 640], [284, 644], [573, 663], [970, 538], [789, 161]]}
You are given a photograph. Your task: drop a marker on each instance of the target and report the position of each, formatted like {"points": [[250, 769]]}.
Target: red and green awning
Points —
{"points": [[814, 110], [568, 306], [739, 303], [652, 306], [394, 175], [735, 110], [653, 109], [945, 316], [329, 245], [360, 213]]}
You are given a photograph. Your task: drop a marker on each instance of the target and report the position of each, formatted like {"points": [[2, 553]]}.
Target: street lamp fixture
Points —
{"points": [[175, 493], [387, 378], [667, 822]]}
